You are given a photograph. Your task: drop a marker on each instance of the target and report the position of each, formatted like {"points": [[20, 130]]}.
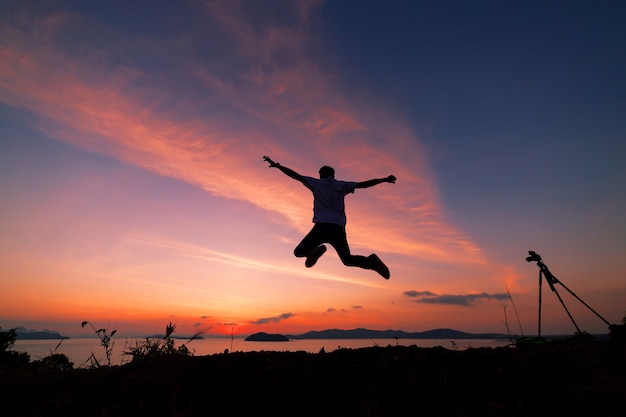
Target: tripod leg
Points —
{"points": [[539, 315], [585, 304], [568, 313]]}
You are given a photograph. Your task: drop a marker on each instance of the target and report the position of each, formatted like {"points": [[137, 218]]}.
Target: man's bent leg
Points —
{"points": [[311, 246], [311, 241], [314, 255], [340, 243]]}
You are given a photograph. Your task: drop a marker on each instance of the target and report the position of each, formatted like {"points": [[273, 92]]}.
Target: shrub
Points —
{"points": [[54, 362], [617, 332], [166, 346], [7, 339], [10, 359]]}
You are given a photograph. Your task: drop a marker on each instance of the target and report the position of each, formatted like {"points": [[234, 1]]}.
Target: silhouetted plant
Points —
{"points": [[232, 335], [10, 359], [20, 360], [54, 362], [7, 339], [106, 341], [579, 338], [506, 319], [617, 332], [165, 346], [519, 322]]}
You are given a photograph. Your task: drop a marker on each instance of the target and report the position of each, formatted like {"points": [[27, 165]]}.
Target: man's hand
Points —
{"points": [[272, 163], [375, 181]]}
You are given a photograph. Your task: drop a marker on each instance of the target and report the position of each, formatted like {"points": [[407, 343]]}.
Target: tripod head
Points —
{"points": [[543, 269], [534, 256]]}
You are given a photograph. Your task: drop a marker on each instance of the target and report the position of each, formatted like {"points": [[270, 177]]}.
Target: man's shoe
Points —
{"points": [[314, 255], [379, 266]]}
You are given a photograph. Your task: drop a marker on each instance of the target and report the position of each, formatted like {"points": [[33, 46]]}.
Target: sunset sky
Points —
{"points": [[134, 193]]}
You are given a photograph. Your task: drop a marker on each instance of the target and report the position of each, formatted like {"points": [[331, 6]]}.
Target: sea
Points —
{"points": [[80, 350]]}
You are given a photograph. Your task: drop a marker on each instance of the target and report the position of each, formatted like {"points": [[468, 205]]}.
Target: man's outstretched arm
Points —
{"points": [[375, 181], [287, 171]]}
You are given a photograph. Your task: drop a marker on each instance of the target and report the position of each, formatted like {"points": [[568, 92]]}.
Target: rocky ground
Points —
{"points": [[549, 380]]}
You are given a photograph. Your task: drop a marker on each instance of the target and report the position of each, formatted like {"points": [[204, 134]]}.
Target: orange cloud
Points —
{"points": [[214, 130]]}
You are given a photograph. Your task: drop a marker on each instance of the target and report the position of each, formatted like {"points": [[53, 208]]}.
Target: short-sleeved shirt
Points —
{"points": [[328, 199]]}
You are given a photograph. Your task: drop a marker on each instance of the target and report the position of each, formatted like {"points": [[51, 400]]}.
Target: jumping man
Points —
{"points": [[329, 218]]}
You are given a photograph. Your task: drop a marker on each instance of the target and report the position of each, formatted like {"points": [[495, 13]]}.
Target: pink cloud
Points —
{"points": [[209, 124]]}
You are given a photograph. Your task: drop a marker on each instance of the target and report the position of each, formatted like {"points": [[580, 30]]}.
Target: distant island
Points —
{"points": [[265, 337], [376, 334], [45, 334]]}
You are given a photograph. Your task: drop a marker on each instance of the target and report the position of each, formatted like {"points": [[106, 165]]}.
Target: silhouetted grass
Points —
{"points": [[154, 348], [565, 378], [573, 376]]}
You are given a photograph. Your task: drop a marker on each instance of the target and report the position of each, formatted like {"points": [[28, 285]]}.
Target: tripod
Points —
{"points": [[551, 280]]}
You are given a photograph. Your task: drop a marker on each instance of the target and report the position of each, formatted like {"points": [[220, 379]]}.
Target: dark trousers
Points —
{"points": [[335, 235]]}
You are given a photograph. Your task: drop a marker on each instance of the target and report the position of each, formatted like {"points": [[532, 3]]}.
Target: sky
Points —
{"points": [[134, 192]]}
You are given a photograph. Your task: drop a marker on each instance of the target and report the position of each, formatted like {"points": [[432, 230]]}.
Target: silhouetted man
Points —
{"points": [[329, 217]]}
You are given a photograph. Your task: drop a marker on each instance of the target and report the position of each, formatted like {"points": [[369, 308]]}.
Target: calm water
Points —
{"points": [[80, 349]]}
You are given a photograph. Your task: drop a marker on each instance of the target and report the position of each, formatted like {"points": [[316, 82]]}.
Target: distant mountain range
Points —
{"points": [[381, 334], [392, 334], [323, 334], [23, 334]]}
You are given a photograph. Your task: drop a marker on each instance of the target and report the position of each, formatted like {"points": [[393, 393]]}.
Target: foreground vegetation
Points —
{"points": [[548, 380], [574, 376], [148, 348]]}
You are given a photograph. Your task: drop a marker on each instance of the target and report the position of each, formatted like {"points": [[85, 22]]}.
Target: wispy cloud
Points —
{"points": [[188, 250], [276, 319], [207, 118], [427, 297]]}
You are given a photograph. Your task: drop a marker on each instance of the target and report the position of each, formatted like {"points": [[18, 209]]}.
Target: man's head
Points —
{"points": [[327, 171]]}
